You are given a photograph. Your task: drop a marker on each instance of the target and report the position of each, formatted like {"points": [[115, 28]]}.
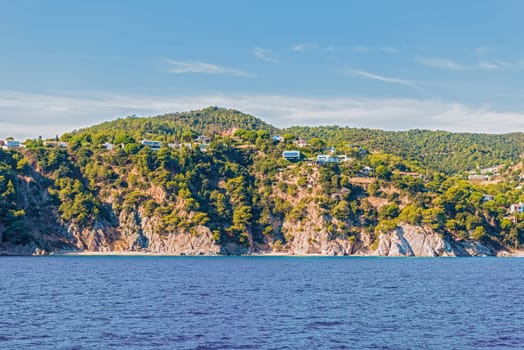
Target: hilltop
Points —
{"points": [[215, 181]]}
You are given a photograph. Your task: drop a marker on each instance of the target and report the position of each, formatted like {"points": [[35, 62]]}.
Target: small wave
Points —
{"points": [[324, 324]]}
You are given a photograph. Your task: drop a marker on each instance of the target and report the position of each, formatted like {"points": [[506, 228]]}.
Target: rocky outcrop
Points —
{"points": [[308, 230], [409, 240], [26, 249], [138, 233]]}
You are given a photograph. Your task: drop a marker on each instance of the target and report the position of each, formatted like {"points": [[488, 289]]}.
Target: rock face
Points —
{"points": [[310, 240], [408, 240], [137, 233], [308, 230]]}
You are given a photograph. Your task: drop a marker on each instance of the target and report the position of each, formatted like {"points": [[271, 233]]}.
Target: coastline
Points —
{"points": [[503, 254]]}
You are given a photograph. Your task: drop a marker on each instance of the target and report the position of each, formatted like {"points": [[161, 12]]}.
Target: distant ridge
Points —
{"points": [[444, 151]]}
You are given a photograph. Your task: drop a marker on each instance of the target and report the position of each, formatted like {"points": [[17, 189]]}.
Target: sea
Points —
{"points": [[145, 302]]}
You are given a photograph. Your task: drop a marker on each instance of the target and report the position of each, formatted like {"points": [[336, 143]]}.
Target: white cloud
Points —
{"points": [[361, 49], [438, 62], [264, 55], [303, 47], [24, 115], [444, 63], [482, 50], [185, 67], [388, 49], [372, 76], [311, 47], [498, 64], [488, 65]]}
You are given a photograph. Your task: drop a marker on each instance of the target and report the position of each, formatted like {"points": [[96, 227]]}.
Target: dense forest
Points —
{"points": [[234, 187]]}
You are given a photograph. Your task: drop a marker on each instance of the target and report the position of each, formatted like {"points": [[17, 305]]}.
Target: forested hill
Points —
{"points": [[174, 126], [442, 151], [216, 182], [436, 150]]}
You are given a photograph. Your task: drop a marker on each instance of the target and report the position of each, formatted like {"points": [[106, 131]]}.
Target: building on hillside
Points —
{"points": [[323, 159], [277, 138], [301, 143], [11, 144], [412, 174], [178, 145], [60, 144], [487, 197], [343, 158], [366, 171], [291, 155], [108, 146], [153, 145], [203, 139], [490, 171], [517, 208], [477, 177]]}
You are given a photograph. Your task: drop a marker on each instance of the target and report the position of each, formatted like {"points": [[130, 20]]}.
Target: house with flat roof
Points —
{"points": [[487, 197], [203, 139], [11, 144], [60, 144], [153, 145], [517, 208], [323, 159], [291, 155], [301, 143]]}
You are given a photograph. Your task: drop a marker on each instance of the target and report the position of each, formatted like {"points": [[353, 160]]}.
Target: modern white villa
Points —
{"points": [[517, 208], [154, 145], [10, 144], [291, 155]]}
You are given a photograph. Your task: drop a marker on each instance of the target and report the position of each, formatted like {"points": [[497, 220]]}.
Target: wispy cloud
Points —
{"points": [[264, 55], [361, 49], [311, 47], [365, 49], [25, 115], [498, 64], [482, 50], [388, 49], [373, 76], [438, 62], [185, 67], [444, 63]]}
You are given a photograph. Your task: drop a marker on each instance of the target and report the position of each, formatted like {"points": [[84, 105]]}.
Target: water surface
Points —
{"points": [[261, 303]]}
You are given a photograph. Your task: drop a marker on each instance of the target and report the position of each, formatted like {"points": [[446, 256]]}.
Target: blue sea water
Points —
{"points": [[261, 303]]}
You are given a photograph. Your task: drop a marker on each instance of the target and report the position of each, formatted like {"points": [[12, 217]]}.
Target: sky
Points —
{"points": [[394, 65]]}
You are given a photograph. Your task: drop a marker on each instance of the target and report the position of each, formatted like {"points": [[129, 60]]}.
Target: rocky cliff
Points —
{"points": [[235, 199], [409, 240]]}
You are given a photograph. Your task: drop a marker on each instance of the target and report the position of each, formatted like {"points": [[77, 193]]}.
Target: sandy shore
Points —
{"points": [[518, 253], [508, 254]]}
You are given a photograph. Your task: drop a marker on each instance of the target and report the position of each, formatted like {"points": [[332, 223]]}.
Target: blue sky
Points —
{"points": [[452, 65]]}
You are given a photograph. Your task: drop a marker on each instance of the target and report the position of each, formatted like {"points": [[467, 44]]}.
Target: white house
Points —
{"points": [[277, 138], [108, 146], [301, 143], [56, 144], [487, 197], [154, 145], [11, 144], [479, 177], [517, 208], [366, 171], [324, 159], [291, 155], [203, 139]]}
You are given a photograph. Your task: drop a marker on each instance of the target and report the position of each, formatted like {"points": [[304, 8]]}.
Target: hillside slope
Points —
{"points": [[231, 192]]}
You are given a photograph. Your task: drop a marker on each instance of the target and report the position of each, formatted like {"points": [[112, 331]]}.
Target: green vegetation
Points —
{"points": [[241, 189]]}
